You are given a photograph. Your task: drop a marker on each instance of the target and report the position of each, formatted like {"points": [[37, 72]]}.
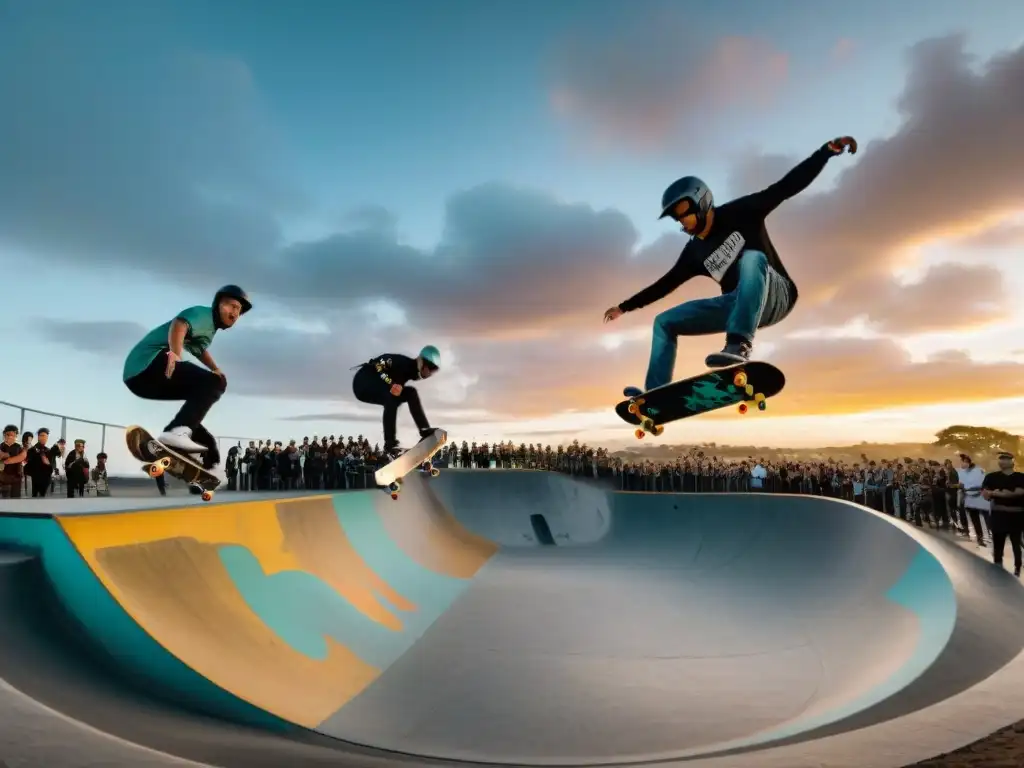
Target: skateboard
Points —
{"points": [[418, 457], [743, 385], [157, 459]]}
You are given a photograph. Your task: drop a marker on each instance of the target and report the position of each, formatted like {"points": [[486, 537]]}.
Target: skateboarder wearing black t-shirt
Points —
{"points": [[729, 244], [1005, 489], [384, 379]]}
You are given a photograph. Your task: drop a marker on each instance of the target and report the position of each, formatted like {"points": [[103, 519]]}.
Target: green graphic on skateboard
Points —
{"points": [[743, 385], [158, 459]]}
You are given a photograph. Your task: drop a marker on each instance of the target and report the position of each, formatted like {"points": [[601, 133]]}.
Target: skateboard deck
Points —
{"points": [[744, 385], [158, 459], [417, 457]]}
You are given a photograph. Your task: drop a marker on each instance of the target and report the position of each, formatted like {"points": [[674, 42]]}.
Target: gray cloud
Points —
{"points": [[650, 77], [952, 164], [948, 296], [170, 164]]}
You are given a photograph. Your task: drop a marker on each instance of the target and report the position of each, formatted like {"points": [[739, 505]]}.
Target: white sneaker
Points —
{"points": [[180, 439]]}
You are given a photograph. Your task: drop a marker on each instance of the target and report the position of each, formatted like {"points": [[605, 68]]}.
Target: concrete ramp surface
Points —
{"points": [[526, 618]]}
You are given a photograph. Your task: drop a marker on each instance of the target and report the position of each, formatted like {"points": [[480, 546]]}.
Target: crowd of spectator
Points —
{"points": [[919, 491], [941, 495], [31, 466]]}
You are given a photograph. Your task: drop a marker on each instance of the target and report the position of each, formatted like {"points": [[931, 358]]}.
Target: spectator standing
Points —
{"points": [[12, 460], [758, 475], [38, 466], [76, 468], [978, 507], [1005, 491]]}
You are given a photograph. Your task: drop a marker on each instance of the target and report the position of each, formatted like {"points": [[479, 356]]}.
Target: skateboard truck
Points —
{"points": [[161, 465], [646, 422], [739, 381]]}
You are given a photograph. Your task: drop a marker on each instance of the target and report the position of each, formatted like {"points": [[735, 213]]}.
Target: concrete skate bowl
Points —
{"points": [[509, 617]]}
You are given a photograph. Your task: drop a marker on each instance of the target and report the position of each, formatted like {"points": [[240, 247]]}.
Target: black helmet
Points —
{"points": [[688, 188], [233, 292]]}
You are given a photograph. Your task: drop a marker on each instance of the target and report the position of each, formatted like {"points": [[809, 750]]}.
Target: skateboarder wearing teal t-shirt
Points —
{"points": [[154, 370]]}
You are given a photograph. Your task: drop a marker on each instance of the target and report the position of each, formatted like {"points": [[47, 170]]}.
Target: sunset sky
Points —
{"points": [[486, 177]]}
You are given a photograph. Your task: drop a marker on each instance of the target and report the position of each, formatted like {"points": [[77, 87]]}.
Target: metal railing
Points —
{"points": [[118, 451]]}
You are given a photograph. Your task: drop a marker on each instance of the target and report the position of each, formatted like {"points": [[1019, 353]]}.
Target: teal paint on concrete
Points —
{"points": [[114, 630], [432, 592], [303, 610], [926, 591]]}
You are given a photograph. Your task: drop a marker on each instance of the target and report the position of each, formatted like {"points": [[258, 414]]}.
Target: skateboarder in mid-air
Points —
{"points": [[383, 381], [154, 370], [730, 244]]}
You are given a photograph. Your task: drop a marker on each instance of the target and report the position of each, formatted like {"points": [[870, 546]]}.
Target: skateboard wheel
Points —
{"points": [[633, 408], [394, 487], [658, 430], [395, 495], [740, 379], [749, 389], [435, 472], [762, 405], [155, 470], [426, 466], [165, 463], [742, 408], [207, 495], [639, 434], [759, 397]]}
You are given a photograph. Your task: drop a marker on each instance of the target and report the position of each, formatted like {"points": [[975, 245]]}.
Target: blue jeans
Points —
{"points": [[760, 299]]}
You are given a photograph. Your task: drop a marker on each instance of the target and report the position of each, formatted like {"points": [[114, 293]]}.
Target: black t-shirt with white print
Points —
{"points": [[737, 226]]}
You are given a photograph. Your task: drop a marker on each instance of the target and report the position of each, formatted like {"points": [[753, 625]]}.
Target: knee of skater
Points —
{"points": [[754, 260], [218, 385]]}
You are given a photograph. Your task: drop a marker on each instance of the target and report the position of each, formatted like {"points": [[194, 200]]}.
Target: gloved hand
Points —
{"points": [[837, 146]]}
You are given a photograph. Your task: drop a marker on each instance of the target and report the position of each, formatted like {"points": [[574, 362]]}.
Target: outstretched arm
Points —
{"points": [[801, 177], [675, 277]]}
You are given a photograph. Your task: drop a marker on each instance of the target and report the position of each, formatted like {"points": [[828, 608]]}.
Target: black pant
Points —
{"points": [[368, 387], [198, 387], [1007, 525], [40, 485], [76, 485], [961, 511], [977, 515]]}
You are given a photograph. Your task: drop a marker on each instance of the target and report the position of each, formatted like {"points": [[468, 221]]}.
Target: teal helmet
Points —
{"points": [[431, 356]]}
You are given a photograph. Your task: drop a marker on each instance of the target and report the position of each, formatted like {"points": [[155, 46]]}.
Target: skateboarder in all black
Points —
{"points": [[154, 370], [730, 244], [383, 381]]}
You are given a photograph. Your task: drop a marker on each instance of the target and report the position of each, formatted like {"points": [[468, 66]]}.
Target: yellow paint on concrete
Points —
{"points": [[163, 567], [255, 525], [180, 593]]}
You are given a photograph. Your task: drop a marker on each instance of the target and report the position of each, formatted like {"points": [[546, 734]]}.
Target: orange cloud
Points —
{"points": [[627, 86], [952, 167], [849, 376], [948, 297]]}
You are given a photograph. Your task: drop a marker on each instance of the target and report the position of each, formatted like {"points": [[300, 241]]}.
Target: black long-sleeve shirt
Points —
{"points": [[395, 369], [738, 226]]}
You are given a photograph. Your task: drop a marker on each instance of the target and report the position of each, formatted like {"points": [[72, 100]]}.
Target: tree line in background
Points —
{"points": [[981, 443]]}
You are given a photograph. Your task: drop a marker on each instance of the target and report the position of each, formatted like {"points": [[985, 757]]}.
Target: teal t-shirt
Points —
{"points": [[201, 330]]}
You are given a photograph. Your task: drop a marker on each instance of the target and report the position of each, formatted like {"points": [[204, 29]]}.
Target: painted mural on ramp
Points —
{"points": [[610, 627]]}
